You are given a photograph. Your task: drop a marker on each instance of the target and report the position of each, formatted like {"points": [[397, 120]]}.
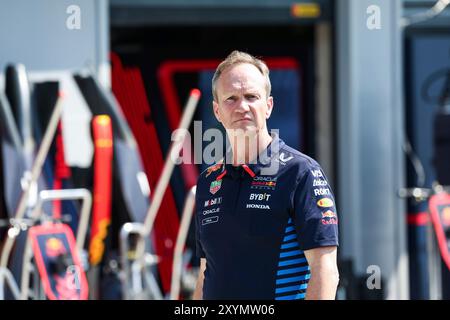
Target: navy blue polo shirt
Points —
{"points": [[252, 227]]}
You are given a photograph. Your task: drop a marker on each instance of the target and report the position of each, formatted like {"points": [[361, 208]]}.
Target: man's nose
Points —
{"points": [[242, 106]]}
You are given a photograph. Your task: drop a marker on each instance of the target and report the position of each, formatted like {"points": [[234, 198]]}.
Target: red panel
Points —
{"points": [[128, 87], [418, 219], [62, 171]]}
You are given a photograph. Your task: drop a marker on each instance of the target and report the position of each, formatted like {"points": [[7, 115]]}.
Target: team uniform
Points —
{"points": [[252, 228]]}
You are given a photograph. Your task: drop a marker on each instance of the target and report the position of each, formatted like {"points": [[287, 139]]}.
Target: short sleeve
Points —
{"points": [[315, 215], [198, 245]]}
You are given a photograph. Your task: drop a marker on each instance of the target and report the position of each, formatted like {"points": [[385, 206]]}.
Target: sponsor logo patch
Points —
{"points": [[328, 214], [212, 202], [264, 183], [329, 217], [259, 196], [322, 192], [319, 183], [325, 203], [215, 210], [317, 173], [257, 206], [210, 220], [215, 186]]}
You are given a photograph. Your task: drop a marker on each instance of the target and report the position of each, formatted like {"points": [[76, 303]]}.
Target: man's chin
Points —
{"points": [[244, 129]]}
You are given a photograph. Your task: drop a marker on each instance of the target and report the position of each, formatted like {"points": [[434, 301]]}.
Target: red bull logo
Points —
{"points": [[329, 217], [269, 185], [54, 247], [328, 214]]}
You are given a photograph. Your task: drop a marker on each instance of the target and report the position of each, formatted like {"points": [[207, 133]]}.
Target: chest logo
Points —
{"points": [[264, 183], [212, 202], [209, 220], [215, 210], [215, 186], [259, 196], [257, 206]]}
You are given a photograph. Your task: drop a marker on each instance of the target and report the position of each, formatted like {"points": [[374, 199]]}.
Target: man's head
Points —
{"points": [[241, 90], [238, 57]]}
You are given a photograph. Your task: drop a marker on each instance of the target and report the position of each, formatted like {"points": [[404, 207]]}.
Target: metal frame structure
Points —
{"points": [[21, 210], [177, 269], [135, 268], [38, 215]]}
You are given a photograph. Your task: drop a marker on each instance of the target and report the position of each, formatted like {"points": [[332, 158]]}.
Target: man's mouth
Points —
{"points": [[243, 119]]}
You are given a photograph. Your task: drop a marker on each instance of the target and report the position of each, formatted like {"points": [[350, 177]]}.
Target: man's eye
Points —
{"points": [[252, 97], [231, 99]]}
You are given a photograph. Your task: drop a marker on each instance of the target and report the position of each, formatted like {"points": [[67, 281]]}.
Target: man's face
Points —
{"points": [[242, 101]]}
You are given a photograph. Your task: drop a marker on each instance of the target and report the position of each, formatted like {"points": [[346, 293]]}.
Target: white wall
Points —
{"points": [[52, 42], [35, 33]]}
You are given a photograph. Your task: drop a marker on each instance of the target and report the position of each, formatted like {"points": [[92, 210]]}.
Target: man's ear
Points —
{"points": [[216, 110], [269, 107]]}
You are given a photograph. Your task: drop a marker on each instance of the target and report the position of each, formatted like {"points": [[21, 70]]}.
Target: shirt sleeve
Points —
{"points": [[315, 215], [198, 245]]}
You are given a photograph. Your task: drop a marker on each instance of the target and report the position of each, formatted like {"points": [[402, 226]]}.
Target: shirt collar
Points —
{"points": [[264, 159]]}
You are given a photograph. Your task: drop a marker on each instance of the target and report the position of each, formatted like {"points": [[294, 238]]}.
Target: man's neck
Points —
{"points": [[246, 148]]}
